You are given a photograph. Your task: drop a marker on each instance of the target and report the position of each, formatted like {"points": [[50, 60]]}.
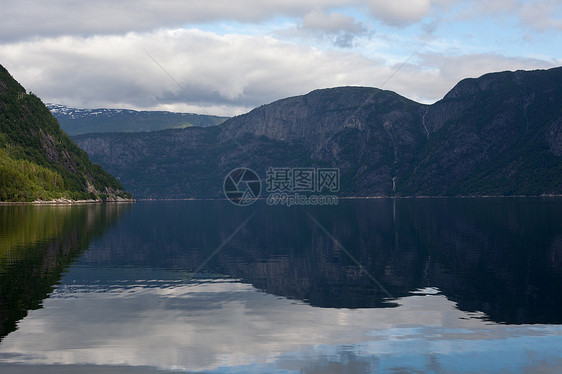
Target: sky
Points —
{"points": [[226, 57]]}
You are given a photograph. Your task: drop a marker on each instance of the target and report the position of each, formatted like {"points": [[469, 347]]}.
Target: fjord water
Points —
{"points": [[404, 285]]}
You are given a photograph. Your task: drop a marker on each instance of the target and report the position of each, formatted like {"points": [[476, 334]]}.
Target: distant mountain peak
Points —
{"points": [[82, 121]]}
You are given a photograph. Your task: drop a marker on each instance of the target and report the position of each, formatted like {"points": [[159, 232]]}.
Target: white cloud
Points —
{"points": [[534, 15], [399, 13], [543, 15], [88, 54], [236, 71], [478, 8], [224, 75]]}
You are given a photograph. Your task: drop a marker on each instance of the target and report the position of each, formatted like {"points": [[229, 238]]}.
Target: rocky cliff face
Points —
{"points": [[499, 134], [372, 135]]}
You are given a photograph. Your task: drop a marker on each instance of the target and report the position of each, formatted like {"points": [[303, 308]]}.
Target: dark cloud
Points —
{"points": [[344, 40], [341, 29], [27, 19], [23, 19]]}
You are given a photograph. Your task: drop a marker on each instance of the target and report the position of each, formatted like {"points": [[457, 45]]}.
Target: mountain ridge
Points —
{"points": [[83, 121], [499, 134]]}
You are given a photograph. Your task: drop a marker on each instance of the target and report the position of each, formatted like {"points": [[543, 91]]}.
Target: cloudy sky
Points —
{"points": [[226, 57]]}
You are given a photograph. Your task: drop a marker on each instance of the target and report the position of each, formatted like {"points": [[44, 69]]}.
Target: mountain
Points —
{"points": [[83, 121], [37, 159], [500, 134], [371, 135], [294, 132]]}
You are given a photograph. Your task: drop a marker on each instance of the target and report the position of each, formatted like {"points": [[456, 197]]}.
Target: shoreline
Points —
{"points": [[63, 201], [370, 197], [119, 200]]}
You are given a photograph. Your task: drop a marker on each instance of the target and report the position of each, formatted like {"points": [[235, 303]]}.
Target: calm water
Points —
{"points": [[427, 285]]}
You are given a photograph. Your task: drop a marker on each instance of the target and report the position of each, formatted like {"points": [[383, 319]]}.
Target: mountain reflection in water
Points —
{"points": [[474, 282], [502, 257]]}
